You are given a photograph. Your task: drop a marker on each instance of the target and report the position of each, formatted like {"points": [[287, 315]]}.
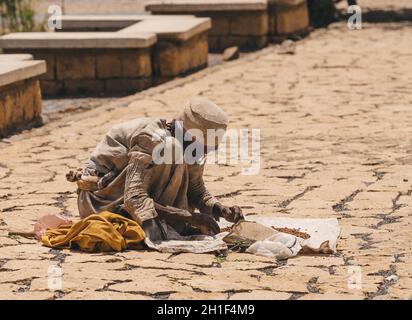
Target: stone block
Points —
{"points": [[20, 106], [76, 40], [5, 113], [82, 72], [239, 19], [201, 51], [194, 54], [12, 110], [74, 65], [50, 64], [171, 29], [230, 54], [30, 100], [107, 22], [136, 64], [172, 59], [109, 65], [290, 19], [20, 96], [272, 24], [220, 25], [214, 44], [254, 23], [15, 57], [13, 71], [167, 60], [48, 57]]}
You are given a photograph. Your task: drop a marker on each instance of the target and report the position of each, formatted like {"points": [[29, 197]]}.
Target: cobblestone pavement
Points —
{"points": [[336, 123]]}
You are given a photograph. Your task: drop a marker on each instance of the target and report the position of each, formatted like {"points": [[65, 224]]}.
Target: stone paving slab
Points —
{"points": [[335, 121]]}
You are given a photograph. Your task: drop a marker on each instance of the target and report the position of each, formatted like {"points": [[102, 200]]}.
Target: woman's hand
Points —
{"points": [[204, 222], [231, 214], [169, 213]]}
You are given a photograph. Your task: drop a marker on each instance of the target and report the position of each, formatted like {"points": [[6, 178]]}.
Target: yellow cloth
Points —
{"points": [[97, 233]]}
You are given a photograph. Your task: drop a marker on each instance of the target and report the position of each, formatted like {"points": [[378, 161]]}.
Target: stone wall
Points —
{"points": [[246, 29], [20, 106], [122, 62], [246, 24], [93, 72]]}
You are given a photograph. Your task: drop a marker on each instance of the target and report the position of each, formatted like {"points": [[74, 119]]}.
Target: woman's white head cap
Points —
{"points": [[202, 114]]}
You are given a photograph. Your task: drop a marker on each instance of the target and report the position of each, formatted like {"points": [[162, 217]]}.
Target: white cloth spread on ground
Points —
{"points": [[323, 234]]}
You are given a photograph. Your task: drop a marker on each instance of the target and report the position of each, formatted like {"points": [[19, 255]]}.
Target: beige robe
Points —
{"points": [[127, 150]]}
